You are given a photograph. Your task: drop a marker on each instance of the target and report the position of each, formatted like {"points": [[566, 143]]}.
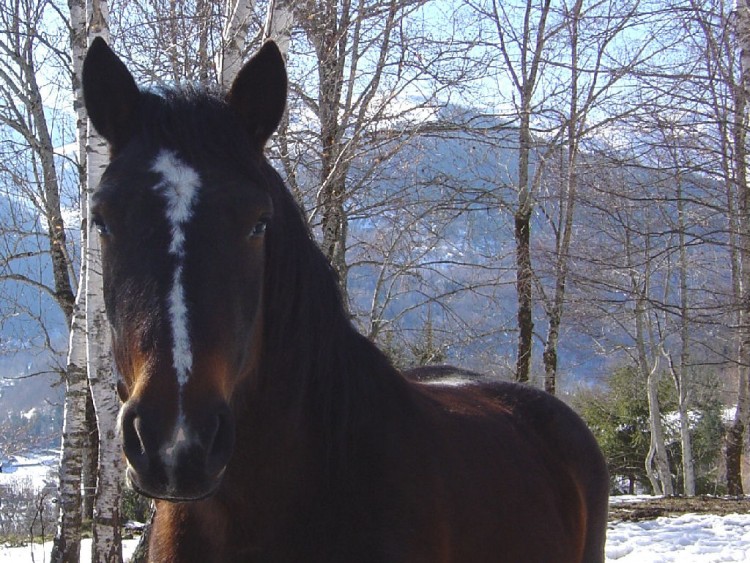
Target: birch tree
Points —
{"points": [[280, 21], [26, 48], [647, 346], [679, 369], [67, 542], [626, 248], [107, 540], [709, 87], [234, 39], [89, 346]]}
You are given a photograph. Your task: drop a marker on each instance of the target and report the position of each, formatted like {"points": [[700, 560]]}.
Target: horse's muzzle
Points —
{"points": [[180, 460]]}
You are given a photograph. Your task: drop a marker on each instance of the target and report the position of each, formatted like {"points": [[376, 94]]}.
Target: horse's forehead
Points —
{"points": [[179, 185]]}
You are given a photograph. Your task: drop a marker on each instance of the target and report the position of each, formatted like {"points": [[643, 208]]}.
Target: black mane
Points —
{"points": [[342, 374]]}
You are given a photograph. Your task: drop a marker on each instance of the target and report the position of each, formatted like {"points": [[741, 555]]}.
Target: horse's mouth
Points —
{"points": [[161, 489]]}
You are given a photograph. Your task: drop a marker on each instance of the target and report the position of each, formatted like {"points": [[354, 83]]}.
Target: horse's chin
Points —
{"points": [[169, 493]]}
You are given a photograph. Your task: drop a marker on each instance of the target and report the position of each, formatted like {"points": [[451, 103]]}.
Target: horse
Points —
{"points": [[264, 425]]}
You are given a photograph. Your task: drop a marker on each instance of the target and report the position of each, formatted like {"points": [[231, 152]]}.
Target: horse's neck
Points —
{"points": [[310, 412]]}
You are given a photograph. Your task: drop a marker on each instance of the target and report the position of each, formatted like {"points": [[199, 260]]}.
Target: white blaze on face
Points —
{"points": [[179, 187]]}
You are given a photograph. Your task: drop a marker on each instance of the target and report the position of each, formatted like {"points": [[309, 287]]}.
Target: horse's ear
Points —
{"points": [[258, 93], [110, 94]]}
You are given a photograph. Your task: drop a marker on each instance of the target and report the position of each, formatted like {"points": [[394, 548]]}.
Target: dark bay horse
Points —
{"points": [[266, 426]]}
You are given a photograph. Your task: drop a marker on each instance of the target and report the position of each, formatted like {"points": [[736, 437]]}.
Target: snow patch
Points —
{"points": [[689, 538]]}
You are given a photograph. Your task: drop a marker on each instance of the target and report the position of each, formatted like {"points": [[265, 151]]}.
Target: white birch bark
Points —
{"points": [[279, 24], [234, 39], [67, 542], [686, 441], [657, 462], [107, 540], [107, 522]]}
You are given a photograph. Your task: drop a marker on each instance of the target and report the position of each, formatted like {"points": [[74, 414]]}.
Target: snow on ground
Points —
{"points": [[625, 499], [35, 554], [34, 469], [689, 538]]}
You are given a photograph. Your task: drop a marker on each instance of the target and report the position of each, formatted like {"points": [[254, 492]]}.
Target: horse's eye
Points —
{"points": [[100, 225], [259, 229]]}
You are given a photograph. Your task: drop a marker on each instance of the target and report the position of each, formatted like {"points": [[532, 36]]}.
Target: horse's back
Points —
{"points": [[518, 459]]}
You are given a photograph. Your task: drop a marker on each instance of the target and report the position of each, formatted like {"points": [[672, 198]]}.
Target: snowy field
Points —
{"points": [[37, 469], [37, 553], [683, 539], [689, 538]]}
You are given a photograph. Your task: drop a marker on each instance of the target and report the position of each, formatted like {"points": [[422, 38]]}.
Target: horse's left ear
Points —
{"points": [[258, 94], [110, 94]]}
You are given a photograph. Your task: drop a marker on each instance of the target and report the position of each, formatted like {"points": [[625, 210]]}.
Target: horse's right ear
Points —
{"points": [[110, 94], [258, 93]]}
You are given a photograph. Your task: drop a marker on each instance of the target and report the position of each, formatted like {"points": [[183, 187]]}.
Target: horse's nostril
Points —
{"points": [[221, 443], [132, 439], [122, 391]]}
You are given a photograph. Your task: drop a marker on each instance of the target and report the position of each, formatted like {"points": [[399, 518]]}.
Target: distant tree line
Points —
{"points": [[618, 414]]}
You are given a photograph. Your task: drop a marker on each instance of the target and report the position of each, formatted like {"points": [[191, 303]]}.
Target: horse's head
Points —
{"points": [[182, 211]]}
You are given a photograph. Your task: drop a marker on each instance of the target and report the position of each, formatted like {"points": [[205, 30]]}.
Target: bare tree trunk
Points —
{"points": [[203, 10], [90, 469], [522, 232], [524, 279], [688, 466], [279, 24], [52, 210], [328, 37], [107, 544], [737, 435], [657, 462], [524, 75], [67, 543], [680, 375], [555, 309], [657, 467], [234, 39], [567, 205]]}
